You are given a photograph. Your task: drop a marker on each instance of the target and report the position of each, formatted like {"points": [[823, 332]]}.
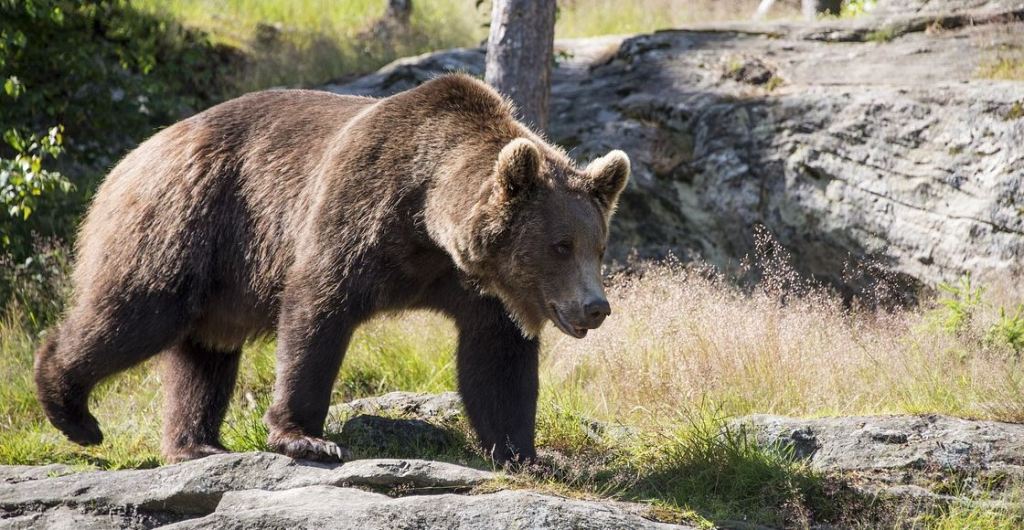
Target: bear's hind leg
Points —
{"points": [[97, 340], [64, 402], [198, 382]]}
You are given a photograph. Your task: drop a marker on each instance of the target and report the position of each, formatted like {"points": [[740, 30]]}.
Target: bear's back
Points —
{"points": [[213, 199]]}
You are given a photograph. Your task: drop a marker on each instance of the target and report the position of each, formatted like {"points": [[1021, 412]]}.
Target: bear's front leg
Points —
{"points": [[497, 374], [312, 339]]}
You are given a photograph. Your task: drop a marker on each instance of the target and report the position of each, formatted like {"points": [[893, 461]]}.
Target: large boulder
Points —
{"points": [[870, 140]]}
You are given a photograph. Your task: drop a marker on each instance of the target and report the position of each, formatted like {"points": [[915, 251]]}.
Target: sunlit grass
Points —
{"points": [[637, 409], [1005, 68], [680, 339], [309, 42], [588, 18]]}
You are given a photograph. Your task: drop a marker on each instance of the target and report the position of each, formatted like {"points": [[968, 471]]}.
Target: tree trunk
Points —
{"points": [[519, 55], [399, 11], [813, 8]]}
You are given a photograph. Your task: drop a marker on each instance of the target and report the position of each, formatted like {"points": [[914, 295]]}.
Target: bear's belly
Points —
{"points": [[230, 319]]}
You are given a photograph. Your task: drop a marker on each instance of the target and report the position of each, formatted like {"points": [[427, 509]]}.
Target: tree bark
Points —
{"points": [[399, 11], [519, 55], [813, 8]]}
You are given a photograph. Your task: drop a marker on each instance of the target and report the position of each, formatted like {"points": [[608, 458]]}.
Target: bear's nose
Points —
{"points": [[597, 309]]}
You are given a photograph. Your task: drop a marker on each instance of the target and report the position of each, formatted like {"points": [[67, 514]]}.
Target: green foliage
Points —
{"points": [[958, 312], [24, 182], [34, 288], [961, 300], [883, 35], [856, 8], [1008, 330], [108, 73], [719, 471], [108, 76], [1016, 111]]}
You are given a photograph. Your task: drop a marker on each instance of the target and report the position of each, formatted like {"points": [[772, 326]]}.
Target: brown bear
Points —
{"points": [[307, 213]]}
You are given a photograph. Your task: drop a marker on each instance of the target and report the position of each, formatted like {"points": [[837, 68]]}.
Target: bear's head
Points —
{"points": [[540, 233]]}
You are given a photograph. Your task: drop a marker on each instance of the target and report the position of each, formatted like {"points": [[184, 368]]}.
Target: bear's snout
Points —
{"points": [[594, 312], [577, 318]]}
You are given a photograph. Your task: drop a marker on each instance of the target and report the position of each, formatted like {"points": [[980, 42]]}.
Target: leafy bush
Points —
{"points": [[1008, 330], [25, 186], [83, 82], [25, 183], [853, 8]]}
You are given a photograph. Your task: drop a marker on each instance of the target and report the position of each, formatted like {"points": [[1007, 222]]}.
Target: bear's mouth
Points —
{"points": [[562, 324]]}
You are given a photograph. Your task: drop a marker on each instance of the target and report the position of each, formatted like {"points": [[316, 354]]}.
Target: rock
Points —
{"points": [[869, 140], [369, 435], [903, 456], [342, 508], [399, 424], [444, 406], [15, 474], [414, 473], [930, 7], [894, 442], [146, 498], [418, 422], [260, 490]]}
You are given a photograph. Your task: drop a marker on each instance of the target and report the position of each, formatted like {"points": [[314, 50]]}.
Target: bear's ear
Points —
{"points": [[518, 168], [607, 177]]}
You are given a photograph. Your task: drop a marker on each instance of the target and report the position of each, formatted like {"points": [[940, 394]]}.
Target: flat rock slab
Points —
{"points": [[16, 474], [443, 406], [263, 490], [147, 498], [345, 508], [894, 442], [918, 461]]}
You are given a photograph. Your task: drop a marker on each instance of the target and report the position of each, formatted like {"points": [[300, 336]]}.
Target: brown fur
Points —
{"points": [[307, 213]]}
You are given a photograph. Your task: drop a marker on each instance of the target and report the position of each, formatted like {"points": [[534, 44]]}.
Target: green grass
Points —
{"points": [[883, 35], [1004, 68], [958, 516], [310, 42], [636, 412]]}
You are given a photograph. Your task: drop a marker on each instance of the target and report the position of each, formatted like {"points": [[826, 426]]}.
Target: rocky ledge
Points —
{"points": [[262, 490], [877, 140], [914, 463], [924, 460]]}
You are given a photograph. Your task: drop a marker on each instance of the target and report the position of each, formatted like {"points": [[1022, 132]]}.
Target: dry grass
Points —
{"points": [[587, 18], [684, 350], [309, 42], [681, 338], [1001, 52]]}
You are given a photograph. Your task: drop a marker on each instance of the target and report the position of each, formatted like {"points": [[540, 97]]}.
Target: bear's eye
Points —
{"points": [[563, 248]]}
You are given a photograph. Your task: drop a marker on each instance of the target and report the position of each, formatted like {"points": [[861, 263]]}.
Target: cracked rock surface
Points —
{"points": [[262, 490], [916, 457], [873, 140]]}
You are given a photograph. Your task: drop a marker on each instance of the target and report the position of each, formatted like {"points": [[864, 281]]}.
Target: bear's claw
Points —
{"points": [[310, 448]]}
